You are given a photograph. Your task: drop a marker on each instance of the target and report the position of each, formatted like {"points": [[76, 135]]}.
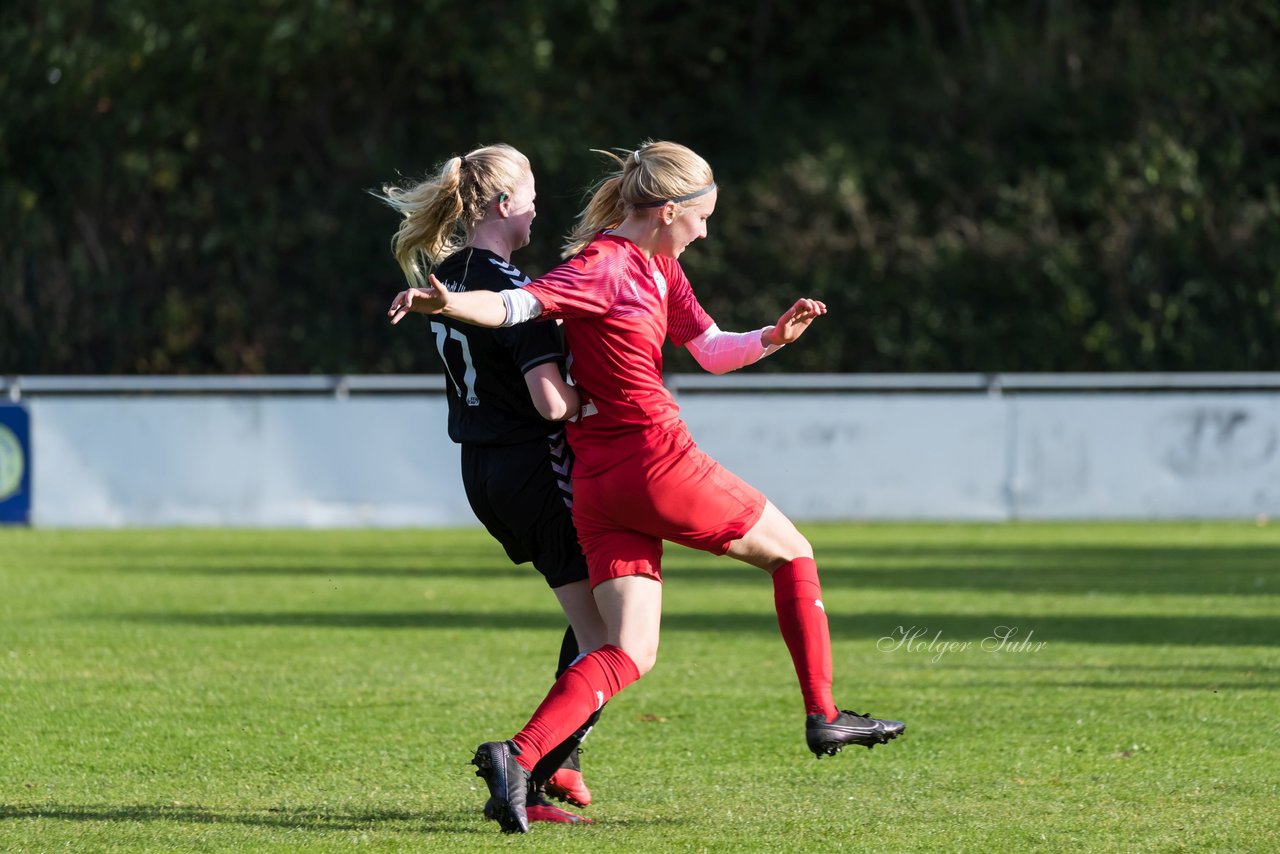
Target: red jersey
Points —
{"points": [[618, 307]]}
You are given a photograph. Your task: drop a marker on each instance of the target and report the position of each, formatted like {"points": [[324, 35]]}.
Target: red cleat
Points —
{"points": [[553, 813], [538, 808], [567, 785]]}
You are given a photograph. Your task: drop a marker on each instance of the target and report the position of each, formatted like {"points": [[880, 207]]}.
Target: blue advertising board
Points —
{"points": [[15, 465]]}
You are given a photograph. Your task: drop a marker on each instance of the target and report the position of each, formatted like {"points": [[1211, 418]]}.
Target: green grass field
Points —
{"points": [[322, 691]]}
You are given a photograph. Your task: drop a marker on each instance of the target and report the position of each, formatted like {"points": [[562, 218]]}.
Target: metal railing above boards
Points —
{"points": [[988, 384], [17, 388]]}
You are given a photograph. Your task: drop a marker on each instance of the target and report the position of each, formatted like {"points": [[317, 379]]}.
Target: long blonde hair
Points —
{"points": [[654, 173], [442, 212]]}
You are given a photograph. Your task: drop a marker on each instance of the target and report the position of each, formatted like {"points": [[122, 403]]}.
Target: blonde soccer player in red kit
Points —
{"points": [[639, 478]]}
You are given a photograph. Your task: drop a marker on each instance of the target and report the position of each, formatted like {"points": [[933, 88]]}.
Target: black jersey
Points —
{"points": [[489, 403]]}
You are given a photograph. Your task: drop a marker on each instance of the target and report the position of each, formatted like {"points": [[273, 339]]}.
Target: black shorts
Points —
{"points": [[523, 496]]}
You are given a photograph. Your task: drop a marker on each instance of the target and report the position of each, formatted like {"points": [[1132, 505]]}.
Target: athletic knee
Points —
{"points": [[789, 549], [644, 656], [798, 547]]}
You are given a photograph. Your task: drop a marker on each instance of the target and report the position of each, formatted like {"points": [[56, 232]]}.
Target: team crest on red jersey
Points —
{"points": [[661, 282]]}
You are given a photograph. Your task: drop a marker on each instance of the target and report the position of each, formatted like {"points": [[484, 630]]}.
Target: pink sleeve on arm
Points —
{"points": [[686, 318]]}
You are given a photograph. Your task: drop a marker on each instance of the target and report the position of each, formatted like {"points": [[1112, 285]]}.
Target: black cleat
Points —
{"points": [[508, 783], [829, 737]]}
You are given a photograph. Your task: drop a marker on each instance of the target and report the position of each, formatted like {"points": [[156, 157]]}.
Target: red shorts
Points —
{"points": [[668, 490]]}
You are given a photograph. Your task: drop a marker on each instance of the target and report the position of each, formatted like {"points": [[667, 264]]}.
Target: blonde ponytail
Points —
{"points": [[441, 213], [605, 208], [655, 173]]}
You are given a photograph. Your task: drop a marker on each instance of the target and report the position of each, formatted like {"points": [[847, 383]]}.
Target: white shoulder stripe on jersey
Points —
{"points": [[511, 272]]}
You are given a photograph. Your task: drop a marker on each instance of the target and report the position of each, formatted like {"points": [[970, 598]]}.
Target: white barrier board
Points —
{"points": [[245, 461], [383, 460], [865, 456], [1146, 456]]}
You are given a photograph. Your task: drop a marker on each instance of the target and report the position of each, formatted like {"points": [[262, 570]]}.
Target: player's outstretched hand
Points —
{"points": [[429, 300], [796, 320]]}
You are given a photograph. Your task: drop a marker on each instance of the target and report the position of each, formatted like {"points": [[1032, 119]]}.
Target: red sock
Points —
{"points": [[797, 595], [580, 690]]}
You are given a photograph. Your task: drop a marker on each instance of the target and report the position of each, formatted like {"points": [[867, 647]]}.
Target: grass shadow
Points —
{"points": [[1238, 571], [1159, 630], [292, 818], [482, 572], [1204, 687], [1198, 571]]}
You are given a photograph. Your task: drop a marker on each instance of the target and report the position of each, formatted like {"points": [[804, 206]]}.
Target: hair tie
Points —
{"points": [[636, 155]]}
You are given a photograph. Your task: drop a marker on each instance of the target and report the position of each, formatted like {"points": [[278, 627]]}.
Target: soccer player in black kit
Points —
{"points": [[507, 392]]}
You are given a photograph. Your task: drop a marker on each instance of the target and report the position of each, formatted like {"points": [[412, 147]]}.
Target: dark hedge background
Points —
{"points": [[971, 186]]}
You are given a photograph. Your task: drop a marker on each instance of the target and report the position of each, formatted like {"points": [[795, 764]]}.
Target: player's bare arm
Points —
{"points": [[479, 308], [554, 399], [793, 322]]}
